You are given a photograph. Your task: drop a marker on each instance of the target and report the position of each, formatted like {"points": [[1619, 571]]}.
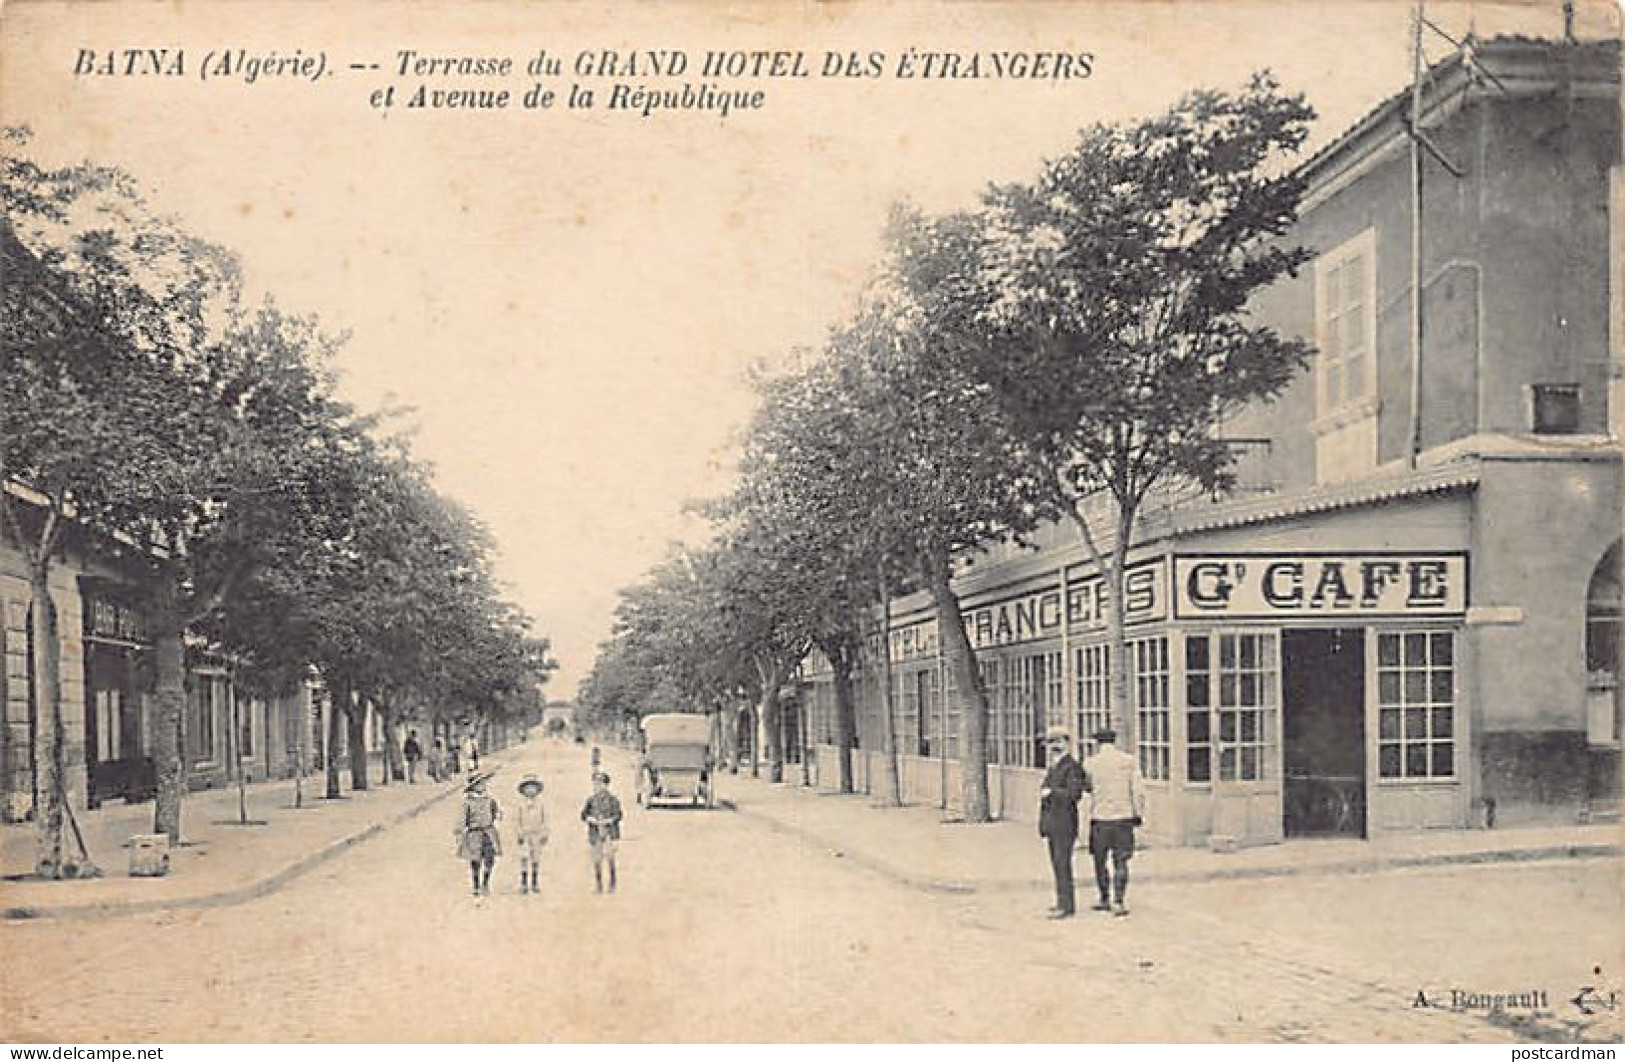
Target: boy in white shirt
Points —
{"points": [[530, 821]]}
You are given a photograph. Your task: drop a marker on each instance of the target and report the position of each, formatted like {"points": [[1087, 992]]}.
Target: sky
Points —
{"points": [[568, 301]]}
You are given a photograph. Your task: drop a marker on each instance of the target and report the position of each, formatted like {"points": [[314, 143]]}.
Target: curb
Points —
{"points": [[226, 897], [926, 884], [959, 886]]}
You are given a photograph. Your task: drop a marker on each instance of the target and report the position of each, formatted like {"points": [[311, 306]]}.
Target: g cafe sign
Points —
{"points": [[1266, 585]]}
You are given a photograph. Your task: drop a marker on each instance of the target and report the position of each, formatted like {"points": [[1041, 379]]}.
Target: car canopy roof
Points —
{"points": [[677, 728]]}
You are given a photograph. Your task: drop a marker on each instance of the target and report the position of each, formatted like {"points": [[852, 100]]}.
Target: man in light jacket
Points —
{"points": [[1117, 807]]}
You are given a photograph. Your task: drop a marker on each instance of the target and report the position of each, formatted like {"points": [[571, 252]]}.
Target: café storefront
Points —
{"points": [[1428, 650], [1317, 692], [1278, 686]]}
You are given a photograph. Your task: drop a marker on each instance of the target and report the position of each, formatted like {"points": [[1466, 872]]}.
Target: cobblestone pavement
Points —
{"points": [[722, 930]]}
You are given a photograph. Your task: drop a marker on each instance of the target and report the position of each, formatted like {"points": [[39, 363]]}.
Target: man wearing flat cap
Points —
{"points": [[1063, 787], [1116, 808]]}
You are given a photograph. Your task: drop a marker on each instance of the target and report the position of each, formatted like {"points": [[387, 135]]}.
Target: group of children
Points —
{"points": [[479, 844]]}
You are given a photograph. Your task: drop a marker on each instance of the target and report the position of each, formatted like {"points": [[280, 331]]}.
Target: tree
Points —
{"points": [[273, 623], [814, 472], [272, 429], [101, 327], [672, 648], [951, 472], [761, 618], [393, 600], [1108, 311]]}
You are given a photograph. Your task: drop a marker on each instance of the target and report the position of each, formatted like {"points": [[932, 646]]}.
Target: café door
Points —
{"points": [[1323, 732], [1238, 676]]}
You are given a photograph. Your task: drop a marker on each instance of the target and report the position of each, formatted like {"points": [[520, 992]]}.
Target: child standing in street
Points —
{"points": [[476, 831], [602, 814], [531, 823]]}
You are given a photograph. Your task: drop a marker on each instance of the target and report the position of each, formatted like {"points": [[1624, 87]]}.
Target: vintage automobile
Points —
{"points": [[676, 764]]}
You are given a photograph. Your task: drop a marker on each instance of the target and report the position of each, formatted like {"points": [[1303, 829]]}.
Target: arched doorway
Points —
{"points": [[1605, 629]]}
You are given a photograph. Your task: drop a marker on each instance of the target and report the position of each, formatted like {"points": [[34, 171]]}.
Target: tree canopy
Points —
{"points": [[1065, 348], [196, 439]]}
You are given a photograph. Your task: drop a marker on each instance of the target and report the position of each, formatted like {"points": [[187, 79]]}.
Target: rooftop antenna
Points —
{"points": [[1421, 142], [1418, 68]]}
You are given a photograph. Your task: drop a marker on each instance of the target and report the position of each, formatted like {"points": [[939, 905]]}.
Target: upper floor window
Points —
{"points": [[1345, 325], [1555, 409]]}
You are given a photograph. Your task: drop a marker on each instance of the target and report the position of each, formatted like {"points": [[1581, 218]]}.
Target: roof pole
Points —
{"points": [[1414, 444]]}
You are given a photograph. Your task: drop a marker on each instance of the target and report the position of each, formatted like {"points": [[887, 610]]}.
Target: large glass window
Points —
{"points": [[821, 699], [109, 721], [1015, 731], [1416, 701], [929, 685], [1230, 706], [201, 732], [293, 717], [1089, 665], [1018, 693], [906, 703], [1150, 657], [992, 685], [1054, 692], [247, 707], [1246, 706], [1198, 709]]}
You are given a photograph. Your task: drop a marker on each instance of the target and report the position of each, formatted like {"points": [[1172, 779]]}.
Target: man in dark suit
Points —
{"points": [[1062, 788]]}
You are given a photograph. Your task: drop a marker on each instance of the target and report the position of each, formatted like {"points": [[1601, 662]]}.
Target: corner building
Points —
{"points": [[1359, 638]]}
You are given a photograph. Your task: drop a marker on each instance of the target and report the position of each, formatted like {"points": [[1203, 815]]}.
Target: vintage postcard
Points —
{"points": [[881, 521]]}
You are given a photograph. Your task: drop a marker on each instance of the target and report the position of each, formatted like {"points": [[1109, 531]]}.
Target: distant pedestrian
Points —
{"points": [[1062, 788], [1117, 807], [477, 839], [471, 752], [413, 753], [530, 825], [437, 760], [602, 814]]}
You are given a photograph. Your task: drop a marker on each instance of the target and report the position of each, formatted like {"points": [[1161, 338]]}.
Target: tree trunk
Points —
{"points": [[1111, 568], [357, 715], [717, 730], [972, 695], [1119, 711], [301, 737], [394, 758], [338, 709], [386, 726], [169, 708], [49, 761], [772, 732], [804, 731], [755, 742], [893, 793], [234, 751], [846, 716]]}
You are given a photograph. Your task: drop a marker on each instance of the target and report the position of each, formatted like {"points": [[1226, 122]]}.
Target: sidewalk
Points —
{"points": [[913, 845], [218, 862]]}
